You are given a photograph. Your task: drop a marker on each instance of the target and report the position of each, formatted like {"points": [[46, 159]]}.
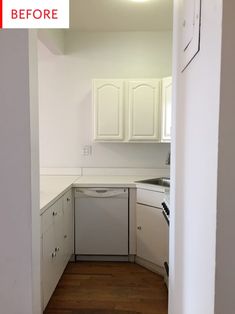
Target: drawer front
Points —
{"points": [[48, 218], [59, 206], [67, 199], [150, 198], [55, 211]]}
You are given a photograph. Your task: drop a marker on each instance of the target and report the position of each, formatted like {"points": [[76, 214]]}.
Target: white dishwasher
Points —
{"points": [[101, 223]]}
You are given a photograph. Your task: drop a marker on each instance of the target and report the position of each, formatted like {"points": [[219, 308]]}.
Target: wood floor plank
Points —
{"points": [[108, 288]]}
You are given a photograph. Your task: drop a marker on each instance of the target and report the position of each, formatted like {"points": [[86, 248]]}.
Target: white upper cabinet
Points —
{"points": [[129, 111], [108, 110], [143, 108], [166, 109]]}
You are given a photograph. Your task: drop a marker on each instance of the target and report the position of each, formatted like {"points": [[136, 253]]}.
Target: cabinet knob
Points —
{"points": [[139, 227], [68, 199], [53, 255], [57, 249], [54, 214], [65, 236]]}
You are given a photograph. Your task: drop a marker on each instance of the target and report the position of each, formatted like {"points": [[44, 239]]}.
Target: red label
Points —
{"points": [[1, 13]]}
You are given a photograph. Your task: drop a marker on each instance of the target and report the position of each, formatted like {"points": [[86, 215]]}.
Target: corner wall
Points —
{"points": [[19, 179], [194, 169]]}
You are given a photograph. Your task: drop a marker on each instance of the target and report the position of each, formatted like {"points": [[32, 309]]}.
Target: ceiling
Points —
{"points": [[121, 15]]}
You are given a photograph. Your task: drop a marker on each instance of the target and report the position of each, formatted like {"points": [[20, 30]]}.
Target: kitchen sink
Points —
{"points": [[164, 181]]}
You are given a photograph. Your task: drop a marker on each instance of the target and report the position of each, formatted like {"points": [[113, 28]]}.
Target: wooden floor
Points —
{"points": [[108, 288]]}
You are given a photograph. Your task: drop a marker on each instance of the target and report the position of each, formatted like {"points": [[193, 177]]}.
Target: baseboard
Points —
{"points": [[101, 258], [72, 258], [153, 267], [131, 258]]}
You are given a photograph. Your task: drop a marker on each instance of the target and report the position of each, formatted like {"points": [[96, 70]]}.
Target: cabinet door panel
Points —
{"points": [[108, 110], [143, 110], [49, 275], [47, 218], [59, 237], [151, 235], [166, 109], [68, 226]]}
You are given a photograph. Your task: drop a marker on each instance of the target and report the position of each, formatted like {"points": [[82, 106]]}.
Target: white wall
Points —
{"points": [[194, 171], [19, 192], [65, 96]]}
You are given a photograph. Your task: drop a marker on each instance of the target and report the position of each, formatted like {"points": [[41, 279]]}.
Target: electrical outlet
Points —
{"points": [[87, 150]]}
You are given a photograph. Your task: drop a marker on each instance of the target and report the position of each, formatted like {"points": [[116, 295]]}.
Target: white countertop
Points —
{"points": [[53, 187], [117, 181], [109, 181]]}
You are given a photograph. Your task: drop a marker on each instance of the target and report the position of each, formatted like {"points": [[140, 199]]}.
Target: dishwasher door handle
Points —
{"points": [[102, 193]]}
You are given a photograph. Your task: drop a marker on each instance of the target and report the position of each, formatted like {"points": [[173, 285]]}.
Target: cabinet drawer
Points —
{"points": [[48, 217], [51, 214], [150, 198], [67, 199]]}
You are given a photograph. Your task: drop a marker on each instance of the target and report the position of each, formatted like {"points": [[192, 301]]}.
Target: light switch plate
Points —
{"points": [[191, 31]]}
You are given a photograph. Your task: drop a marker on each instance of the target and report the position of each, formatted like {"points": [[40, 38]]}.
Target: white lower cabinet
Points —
{"points": [[58, 235], [152, 239], [57, 243], [150, 235]]}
